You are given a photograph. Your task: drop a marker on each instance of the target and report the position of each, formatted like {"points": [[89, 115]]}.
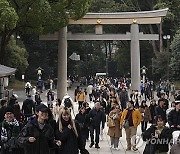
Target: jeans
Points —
{"points": [[115, 141]]}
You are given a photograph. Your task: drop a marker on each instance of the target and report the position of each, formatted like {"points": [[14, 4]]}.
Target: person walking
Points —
{"points": [[38, 98], [152, 110], [28, 107], [28, 87], [9, 131], [158, 137], [174, 117], [160, 110], [80, 98], [123, 96], [96, 117], [82, 120], [90, 92], [37, 136], [19, 115], [50, 98], [115, 132], [69, 134], [130, 119], [75, 93], [146, 115]]}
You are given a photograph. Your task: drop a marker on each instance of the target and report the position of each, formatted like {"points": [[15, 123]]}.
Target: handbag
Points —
{"points": [[110, 122], [125, 123]]}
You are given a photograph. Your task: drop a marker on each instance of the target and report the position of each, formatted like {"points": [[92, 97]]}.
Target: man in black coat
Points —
{"points": [[166, 102], [160, 109], [37, 136], [28, 106], [96, 116], [123, 96], [174, 117]]}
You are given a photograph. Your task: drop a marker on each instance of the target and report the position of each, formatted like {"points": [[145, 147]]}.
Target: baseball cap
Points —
{"points": [[42, 108]]}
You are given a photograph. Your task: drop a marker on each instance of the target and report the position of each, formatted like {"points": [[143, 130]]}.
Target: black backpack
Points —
{"points": [[67, 102]]}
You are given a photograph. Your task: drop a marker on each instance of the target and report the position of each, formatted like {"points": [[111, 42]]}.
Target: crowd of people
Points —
{"points": [[39, 129]]}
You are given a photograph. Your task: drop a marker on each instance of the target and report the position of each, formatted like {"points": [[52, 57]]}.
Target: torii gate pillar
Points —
{"points": [[135, 57], [62, 63]]}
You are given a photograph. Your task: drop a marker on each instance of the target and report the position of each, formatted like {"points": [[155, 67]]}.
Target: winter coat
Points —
{"points": [[165, 137], [123, 96], [82, 120], [27, 107], [44, 138], [71, 144], [174, 118], [136, 117], [160, 112], [146, 115], [115, 131], [152, 111], [9, 133], [96, 117]]}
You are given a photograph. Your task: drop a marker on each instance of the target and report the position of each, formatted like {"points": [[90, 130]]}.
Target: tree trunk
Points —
{"points": [[2, 49]]}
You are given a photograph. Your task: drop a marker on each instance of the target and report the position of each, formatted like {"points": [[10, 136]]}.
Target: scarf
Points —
{"points": [[9, 129]]}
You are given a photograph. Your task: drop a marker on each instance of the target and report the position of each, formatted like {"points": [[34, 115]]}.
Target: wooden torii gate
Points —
{"points": [[99, 19]]}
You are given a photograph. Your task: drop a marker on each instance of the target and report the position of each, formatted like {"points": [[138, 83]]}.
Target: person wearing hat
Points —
{"points": [[130, 120], [9, 132], [174, 117], [37, 136]]}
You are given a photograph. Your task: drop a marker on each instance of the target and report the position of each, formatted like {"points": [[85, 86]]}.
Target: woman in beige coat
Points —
{"points": [[114, 131]]}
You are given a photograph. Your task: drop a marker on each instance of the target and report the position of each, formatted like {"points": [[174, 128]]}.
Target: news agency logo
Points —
{"points": [[138, 142]]}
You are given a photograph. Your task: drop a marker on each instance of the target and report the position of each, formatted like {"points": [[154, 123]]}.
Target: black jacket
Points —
{"points": [[44, 138], [71, 144], [165, 136], [174, 118], [160, 112], [96, 117], [82, 119], [27, 107]]}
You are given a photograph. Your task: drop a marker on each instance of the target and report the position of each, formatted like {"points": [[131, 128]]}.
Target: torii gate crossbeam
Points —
{"points": [[100, 19]]}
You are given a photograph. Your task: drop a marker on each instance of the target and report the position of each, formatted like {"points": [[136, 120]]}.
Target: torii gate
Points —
{"points": [[100, 19]]}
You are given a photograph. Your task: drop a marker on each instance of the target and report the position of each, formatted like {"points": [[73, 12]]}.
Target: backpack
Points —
{"points": [[67, 103]]}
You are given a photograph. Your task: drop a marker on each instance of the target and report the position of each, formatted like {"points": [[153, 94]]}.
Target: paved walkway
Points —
{"points": [[105, 143]]}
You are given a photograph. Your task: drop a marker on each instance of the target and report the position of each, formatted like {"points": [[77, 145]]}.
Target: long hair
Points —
{"points": [[66, 111]]}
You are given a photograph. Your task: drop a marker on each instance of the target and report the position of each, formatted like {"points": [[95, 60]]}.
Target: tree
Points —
{"points": [[16, 56], [36, 16], [175, 60], [8, 21]]}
